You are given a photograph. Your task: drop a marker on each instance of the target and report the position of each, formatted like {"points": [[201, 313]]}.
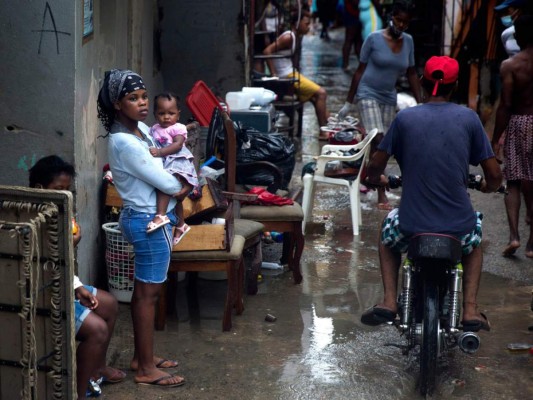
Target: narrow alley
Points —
{"points": [[317, 348]]}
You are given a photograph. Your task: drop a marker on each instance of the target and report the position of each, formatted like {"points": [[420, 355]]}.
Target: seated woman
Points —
{"points": [[285, 66]]}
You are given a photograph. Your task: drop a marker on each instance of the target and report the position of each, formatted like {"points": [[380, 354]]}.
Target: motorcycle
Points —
{"points": [[429, 305]]}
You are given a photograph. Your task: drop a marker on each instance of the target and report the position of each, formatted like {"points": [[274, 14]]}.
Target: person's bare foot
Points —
{"points": [[529, 250], [382, 196], [112, 375], [161, 363], [385, 206], [511, 248]]}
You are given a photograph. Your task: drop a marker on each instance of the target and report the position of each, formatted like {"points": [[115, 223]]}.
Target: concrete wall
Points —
{"points": [[50, 83], [51, 77], [123, 38], [37, 85], [202, 40]]}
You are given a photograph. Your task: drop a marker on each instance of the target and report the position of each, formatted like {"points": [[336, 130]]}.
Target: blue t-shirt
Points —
{"points": [[383, 67], [434, 144]]}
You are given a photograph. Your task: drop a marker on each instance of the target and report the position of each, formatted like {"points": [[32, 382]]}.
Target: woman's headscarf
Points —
{"points": [[117, 84]]}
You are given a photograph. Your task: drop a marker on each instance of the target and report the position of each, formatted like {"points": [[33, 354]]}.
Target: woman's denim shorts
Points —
{"points": [[80, 311], [152, 250]]}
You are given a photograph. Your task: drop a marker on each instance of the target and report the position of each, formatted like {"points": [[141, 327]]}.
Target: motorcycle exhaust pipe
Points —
{"points": [[468, 342]]}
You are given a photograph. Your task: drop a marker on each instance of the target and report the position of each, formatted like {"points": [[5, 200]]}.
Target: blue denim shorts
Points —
{"points": [[392, 236], [152, 250], [80, 311]]}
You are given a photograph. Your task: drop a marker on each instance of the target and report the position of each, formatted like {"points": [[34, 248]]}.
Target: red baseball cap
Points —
{"points": [[441, 69]]}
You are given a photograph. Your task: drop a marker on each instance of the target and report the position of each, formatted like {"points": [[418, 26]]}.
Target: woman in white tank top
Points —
{"points": [[282, 64]]}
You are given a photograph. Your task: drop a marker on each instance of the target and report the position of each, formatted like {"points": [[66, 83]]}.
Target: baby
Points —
{"points": [[169, 137]]}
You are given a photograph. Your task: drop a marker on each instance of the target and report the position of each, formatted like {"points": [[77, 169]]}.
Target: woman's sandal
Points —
{"points": [[179, 233], [153, 226]]}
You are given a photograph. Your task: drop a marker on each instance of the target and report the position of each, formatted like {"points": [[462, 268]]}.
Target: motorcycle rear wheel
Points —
{"points": [[429, 348]]}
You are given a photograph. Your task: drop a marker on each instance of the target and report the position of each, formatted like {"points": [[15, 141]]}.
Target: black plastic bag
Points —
{"points": [[273, 147], [215, 135]]}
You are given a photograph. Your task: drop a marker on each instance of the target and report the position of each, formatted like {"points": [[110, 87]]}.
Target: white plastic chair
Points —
{"points": [[310, 180]]}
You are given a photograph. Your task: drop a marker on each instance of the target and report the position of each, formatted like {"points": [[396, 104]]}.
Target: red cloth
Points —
{"points": [[265, 198]]}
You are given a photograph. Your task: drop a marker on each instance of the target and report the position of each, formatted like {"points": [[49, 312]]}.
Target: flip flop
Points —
{"points": [[156, 382], [511, 249], [180, 233], [376, 316], [474, 325], [153, 226]]}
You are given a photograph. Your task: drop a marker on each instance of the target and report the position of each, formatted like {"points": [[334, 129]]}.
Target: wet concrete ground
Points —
{"points": [[317, 348]]}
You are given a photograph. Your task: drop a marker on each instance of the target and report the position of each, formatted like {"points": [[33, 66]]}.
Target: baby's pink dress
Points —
{"points": [[180, 163]]}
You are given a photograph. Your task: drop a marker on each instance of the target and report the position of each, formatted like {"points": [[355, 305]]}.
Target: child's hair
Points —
{"points": [[168, 96], [48, 168]]}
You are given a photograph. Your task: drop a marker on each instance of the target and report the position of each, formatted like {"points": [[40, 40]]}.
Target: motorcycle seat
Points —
{"points": [[442, 247]]}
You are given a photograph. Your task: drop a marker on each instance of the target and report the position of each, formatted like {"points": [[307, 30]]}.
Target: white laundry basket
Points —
{"points": [[119, 258]]}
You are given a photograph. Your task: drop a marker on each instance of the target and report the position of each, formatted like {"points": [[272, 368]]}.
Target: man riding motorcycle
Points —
{"points": [[434, 144]]}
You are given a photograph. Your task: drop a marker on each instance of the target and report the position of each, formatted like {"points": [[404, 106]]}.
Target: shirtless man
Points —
{"points": [[515, 113]]}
